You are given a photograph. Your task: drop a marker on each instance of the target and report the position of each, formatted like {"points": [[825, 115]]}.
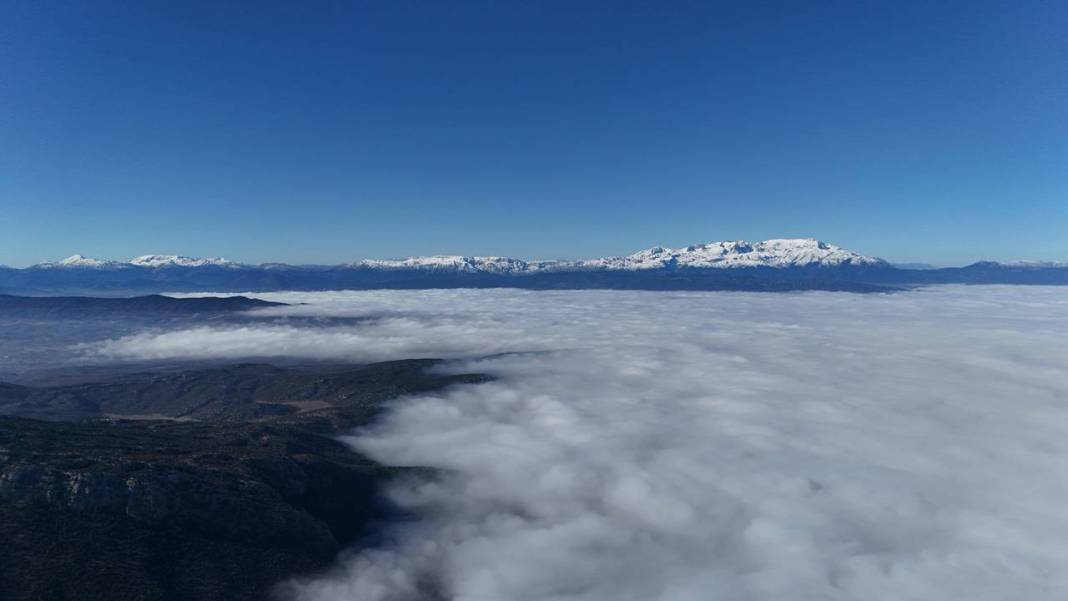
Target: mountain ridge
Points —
{"points": [[76, 307], [770, 265], [776, 252], [783, 252]]}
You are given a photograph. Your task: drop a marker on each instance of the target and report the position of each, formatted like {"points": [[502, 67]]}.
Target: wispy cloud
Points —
{"points": [[707, 446]]}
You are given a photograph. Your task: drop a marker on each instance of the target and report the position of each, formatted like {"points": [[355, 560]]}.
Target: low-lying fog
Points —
{"points": [[678, 446]]}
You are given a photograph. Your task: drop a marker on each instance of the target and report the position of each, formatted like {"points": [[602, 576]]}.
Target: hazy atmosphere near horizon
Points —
{"points": [[533, 301]]}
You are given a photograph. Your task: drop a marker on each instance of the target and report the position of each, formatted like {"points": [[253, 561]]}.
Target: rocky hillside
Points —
{"points": [[216, 503]]}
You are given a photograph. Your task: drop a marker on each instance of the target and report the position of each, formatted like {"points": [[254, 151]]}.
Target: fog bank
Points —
{"points": [[677, 446]]}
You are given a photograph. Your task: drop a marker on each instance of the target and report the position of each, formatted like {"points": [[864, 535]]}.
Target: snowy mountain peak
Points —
{"points": [[83, 262], [179, 261], [77, 262], [778, 253], [450, 263]]}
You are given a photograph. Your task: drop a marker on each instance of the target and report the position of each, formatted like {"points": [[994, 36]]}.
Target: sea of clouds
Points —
{"points": [[701, 446]]}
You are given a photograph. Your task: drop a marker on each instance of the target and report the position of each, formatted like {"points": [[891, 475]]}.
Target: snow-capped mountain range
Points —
{"points": [[804, 252], [780, 253], [77, 262], [83, 262], [771, 265], [180, 261]]}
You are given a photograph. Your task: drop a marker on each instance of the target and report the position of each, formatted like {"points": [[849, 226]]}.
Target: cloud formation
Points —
{"points": [[677, 446]]}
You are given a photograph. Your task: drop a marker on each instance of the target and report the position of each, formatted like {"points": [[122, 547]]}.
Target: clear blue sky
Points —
{"points": [[325, 132]]}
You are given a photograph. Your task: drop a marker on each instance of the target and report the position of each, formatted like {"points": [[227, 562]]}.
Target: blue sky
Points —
{"points": [[326, 132]]}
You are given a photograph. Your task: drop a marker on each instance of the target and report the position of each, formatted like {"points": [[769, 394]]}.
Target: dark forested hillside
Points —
{"points": [[208, 485]]}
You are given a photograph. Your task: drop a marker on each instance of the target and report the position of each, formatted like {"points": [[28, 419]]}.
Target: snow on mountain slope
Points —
{"points": [[179, 261], [780, 253], [78, 262], [450, 263], [466, 264], [1029, 264], [804, 252], [149, 261]]}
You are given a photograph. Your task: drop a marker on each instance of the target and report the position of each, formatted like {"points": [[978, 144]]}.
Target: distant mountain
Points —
{"points": [[79, 262], [714, 255], [990, 272], [1027, 264], [180, 261], [914, 266], [771, 265], [77, 307], [155, 261], [770, 253]]}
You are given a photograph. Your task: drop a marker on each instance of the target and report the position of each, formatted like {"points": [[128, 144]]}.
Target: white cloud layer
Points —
{"points": [[695, 446]]}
